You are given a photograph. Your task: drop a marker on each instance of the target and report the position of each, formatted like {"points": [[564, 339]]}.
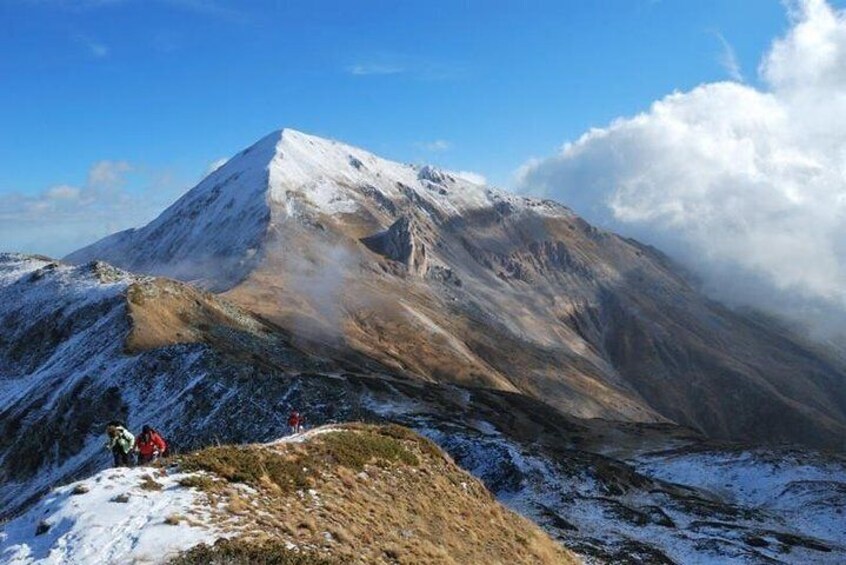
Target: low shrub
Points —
{"points": [[173, 520], [250, 465], [80, 489], [355, 450], [244, 552], [258, 466], [149, 483], [199, 482]]}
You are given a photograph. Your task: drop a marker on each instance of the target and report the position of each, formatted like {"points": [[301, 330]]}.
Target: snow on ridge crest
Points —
{"points": [[213, 235], [327, 173]]}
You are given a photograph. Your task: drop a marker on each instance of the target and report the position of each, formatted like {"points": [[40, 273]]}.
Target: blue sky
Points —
{"points": [[153, 91]]}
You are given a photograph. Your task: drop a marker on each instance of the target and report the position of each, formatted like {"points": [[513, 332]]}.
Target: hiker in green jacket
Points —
{"points": [[121, 441]]}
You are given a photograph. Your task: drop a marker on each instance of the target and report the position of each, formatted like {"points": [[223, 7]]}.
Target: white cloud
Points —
{"points": [[746, 185], [215, 165], [728, 59], [368, 69], [62, 192], [65, 217], [411, 67], [108, 174], [436, 145], [95, 48], [475, 178]]}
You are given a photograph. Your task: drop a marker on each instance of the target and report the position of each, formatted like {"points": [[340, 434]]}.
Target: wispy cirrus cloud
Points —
{"points": [[728, 58], [388, 64], [215, 8], [369, 69], [108, 174], [436, 145], [95, 48]]}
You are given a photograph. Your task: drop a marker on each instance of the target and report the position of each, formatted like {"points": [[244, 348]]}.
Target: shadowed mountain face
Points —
{"points": [[442, 280], [87, 344]]}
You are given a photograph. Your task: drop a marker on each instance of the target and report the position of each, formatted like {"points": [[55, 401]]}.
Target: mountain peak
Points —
{"points": [[217, 231]]}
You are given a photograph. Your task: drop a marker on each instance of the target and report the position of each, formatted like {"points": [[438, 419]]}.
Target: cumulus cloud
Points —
{"points": [[108, 174], [64, 217], [747, 185]]}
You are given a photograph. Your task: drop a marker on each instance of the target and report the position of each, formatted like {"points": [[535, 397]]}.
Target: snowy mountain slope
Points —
{"points": [[213, 233], [673, 498], [85, 345], [91, 343], [444, 280], [110, 518], [147, 515]]}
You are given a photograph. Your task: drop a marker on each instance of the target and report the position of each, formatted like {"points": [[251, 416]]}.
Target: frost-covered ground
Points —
{"points": [[117, 516], [797, 490], [110, 518], [689, 505]]}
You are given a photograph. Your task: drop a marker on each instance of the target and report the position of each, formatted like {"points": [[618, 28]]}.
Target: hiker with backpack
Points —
{"points": [[295, 422], [120, 443], [150, 445]]}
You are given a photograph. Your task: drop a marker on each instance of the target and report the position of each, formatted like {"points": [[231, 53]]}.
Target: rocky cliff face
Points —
{"points": [[400, 244], [443, 280]]}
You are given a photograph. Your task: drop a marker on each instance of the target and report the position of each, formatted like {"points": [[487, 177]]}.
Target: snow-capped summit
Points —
{"points": [[215, 232]]}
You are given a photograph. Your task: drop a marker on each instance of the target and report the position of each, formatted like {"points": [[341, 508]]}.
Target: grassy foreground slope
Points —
{"points": [[356, 494]]}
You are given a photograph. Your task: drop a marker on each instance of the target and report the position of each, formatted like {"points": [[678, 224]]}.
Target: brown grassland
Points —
{"points": [[361, 494]]}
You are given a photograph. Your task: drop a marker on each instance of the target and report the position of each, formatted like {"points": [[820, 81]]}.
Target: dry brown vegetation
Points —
{"points": [[149, 483], [363, 494], [243, 552], [173, 520], [164, 312]]}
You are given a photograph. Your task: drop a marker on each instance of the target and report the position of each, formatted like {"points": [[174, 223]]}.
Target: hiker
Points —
{"points": [[150, 445], [295, 422], [121, 441]]}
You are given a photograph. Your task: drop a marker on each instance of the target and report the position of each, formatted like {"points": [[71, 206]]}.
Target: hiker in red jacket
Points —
{"points": [[295, 422], [149, 445]]}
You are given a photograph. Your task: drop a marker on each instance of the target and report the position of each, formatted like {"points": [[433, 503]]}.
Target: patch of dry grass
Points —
{"points": [[366, 494], [173, 520], [246, 552], [259, 466], [199, 482], [149, 483], [80, 489]]}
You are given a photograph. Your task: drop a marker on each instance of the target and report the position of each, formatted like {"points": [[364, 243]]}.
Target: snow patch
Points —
{"points": [[110, 518]]}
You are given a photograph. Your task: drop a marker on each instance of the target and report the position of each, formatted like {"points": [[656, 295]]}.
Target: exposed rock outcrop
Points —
{"points": [[400, 243]]}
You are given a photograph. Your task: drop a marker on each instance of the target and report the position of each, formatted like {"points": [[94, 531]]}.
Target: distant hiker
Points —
{"points": [[121, 441], [150, 445], [295, 422]]}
